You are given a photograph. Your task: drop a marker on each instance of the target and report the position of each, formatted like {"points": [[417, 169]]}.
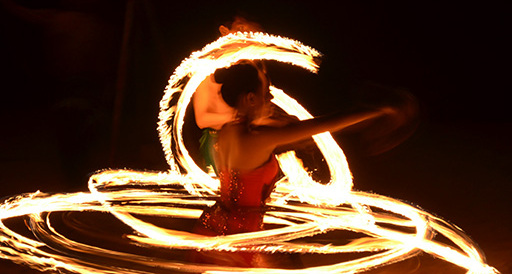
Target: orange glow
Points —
{"points": [[300, 207]]}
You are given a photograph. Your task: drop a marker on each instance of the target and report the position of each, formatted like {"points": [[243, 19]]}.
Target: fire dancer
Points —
{"points": [[245, 156]]}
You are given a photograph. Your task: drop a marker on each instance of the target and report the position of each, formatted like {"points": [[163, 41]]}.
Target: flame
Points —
{"points": [[300, 207]]}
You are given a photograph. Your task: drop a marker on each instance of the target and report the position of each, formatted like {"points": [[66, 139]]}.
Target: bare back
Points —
{"points": [[241, 149]]}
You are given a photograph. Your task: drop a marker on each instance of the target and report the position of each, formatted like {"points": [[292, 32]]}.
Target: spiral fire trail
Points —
{"points": [[389, 230]]}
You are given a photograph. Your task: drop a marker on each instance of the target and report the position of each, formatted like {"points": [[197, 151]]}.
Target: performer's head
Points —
{"points": [[246, 89], [240, 24]]}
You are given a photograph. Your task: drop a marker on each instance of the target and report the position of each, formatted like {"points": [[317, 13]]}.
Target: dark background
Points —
{"points": [[81, 81]]}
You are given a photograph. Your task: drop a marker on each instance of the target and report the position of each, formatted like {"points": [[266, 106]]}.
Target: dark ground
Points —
{"points": [[65, 66]]}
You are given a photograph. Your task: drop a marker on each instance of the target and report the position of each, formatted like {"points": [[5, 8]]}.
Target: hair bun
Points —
{"points": [[220, 75], [237, 80]]}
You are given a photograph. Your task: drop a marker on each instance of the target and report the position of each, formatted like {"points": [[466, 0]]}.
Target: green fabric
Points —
{"points": [[207, 148]]}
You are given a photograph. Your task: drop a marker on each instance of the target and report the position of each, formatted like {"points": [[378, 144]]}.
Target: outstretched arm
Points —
{"points": [[248, 149], [273, 137]]}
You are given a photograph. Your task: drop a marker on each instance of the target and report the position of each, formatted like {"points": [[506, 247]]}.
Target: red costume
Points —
{"points": [[240, 209]]}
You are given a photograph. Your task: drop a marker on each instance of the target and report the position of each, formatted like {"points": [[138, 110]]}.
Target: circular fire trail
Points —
{"points": [[147, 210]]}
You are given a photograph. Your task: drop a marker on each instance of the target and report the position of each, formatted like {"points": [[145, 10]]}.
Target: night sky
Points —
{"points": [[70, 66]]}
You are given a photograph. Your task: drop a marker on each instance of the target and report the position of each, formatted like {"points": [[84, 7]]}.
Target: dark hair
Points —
{"points": [[237, 81]]}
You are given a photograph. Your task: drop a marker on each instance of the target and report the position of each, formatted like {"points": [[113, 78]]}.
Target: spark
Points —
{"points": [[300, 207]]}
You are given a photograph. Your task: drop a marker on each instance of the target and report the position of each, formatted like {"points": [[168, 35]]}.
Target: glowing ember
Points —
{"points": [[300, 207]]}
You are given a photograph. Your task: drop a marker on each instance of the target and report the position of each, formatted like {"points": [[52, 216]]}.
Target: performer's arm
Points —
{"points": [[272, 137]]}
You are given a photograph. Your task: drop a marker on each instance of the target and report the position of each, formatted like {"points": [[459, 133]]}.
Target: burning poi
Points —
{"points": [[300, 208]]}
